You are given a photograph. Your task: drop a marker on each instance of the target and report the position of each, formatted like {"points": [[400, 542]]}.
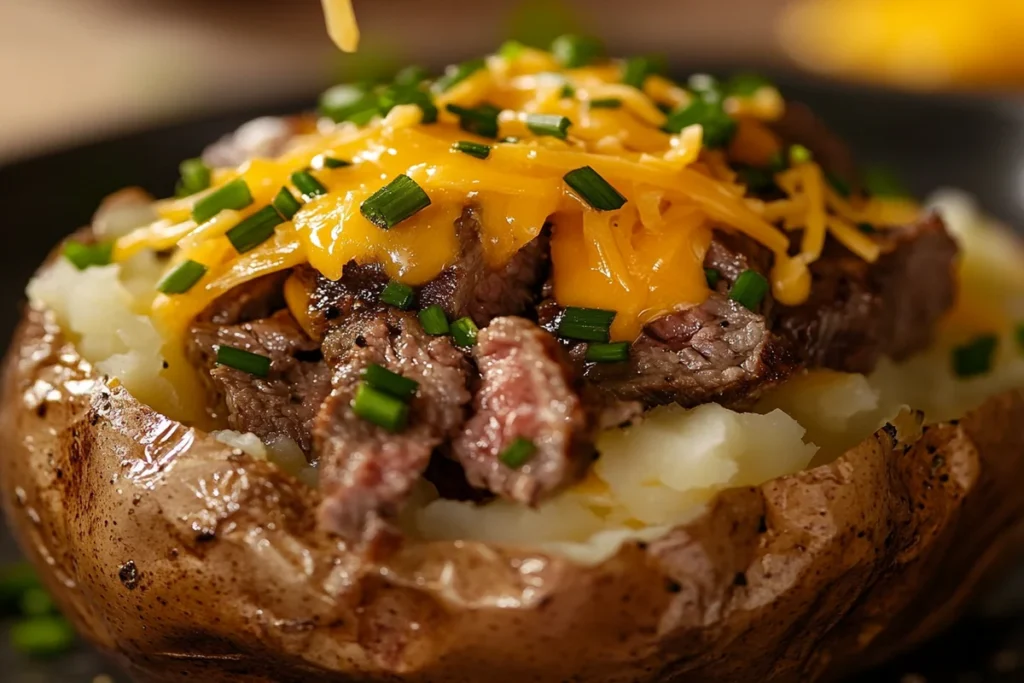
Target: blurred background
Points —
{"points": [[78, 69]]}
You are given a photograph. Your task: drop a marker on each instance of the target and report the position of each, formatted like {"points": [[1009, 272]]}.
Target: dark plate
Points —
{"points": [[972, 143]]}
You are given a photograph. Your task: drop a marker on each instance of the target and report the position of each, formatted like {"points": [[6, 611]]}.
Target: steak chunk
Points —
{"points": [[282, 404], [526, 392], [331, 301], [366, 472]]}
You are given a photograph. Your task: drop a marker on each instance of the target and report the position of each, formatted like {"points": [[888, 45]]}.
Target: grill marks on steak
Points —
{"points": [[366, 472], [526, 391]]}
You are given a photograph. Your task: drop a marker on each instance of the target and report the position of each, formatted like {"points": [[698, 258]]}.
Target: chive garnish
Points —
{"points": [[606, 103], [575, 51], [331, 162], [286, 204], [749, 289], [395, 202], [398, 295], [482, 120], [380, 408], [636, 70], [84, 255], [756, 179], [382, 379], [243, 360], [586, 324], [394, 95], [182, 278], [614, 352], [434, 320], [746, 85], [411, 75], [473, 149], [798, 154], [348, 103], [838, 184], [308, 186], [567, 91], [883, 182], [712, 276], [975, 357], [457, 73], [511, 49], [195, 177], [593, 189], [866, 228], [1018, 334], [548, 124], [43, 636], [464, 332], [518, 453], [718, 126], [234, 195], [254, 230]]}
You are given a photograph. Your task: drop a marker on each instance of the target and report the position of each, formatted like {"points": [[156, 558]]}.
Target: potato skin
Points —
{"points": [[189, 561]]}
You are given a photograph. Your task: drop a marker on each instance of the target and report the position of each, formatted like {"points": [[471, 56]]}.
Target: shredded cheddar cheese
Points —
{"points": [[341, 24]]}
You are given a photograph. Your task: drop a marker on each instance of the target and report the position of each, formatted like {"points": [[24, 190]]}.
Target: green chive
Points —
{"points": [[464, 332], [798, 154], [482, 120], [777, 163], [548, 124], [975, 357], [518, 453], [398, 295], [883, 182], [606, 103], [195, 176], [348, 103], [473, 149], [380, 408], [593, 189], [15, 581], [395, 95], [254, 230], [746, 85], [411, 75], [36, 602], [757, 179], [866, 228], [45, 636], [85, 255], [234, 195], [576, 51], [308, 186], [240, 359], [749, 289], [434, 320], [286, 204], [1018, 334], [457, 73], [838, 184], [587, 324], [615, 352], [511, 49], [712, 276], [718, 126], [331, 162], [182, 278], [382, 379], [398, 200], [567, 91], [636, 70]]}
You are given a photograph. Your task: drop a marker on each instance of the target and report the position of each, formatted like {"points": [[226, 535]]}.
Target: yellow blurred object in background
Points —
{"points": [[912, 43], [341, 24]]}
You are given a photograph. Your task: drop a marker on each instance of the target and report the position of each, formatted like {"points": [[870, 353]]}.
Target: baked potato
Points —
{"points": [[785, 469]]}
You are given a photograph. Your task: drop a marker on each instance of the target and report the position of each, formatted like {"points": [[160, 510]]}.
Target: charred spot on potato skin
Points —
{"points": [[740, 579], [41, 409], [762, 525], [205, 537], [128, 573], [890, 429], [672, 586]]}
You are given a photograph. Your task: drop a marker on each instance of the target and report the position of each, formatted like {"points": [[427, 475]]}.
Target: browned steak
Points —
{"points": [[285, 402], [366, 472], [526, 392], [330, 301]]}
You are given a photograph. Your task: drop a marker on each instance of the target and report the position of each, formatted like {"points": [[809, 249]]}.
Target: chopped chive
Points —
{"points": [[44, 636], [975, 357], [398, 295], [398, 200], [838, 184], [348, 103], [411, 75], [286, 204], [380, 408], [567, 91], [798, 154], [473, 149], [254, 230], [749, 289], [518, 453], [464, 332], [746, 85], [1018, 334], [240, 359], [182, 278], [548, 124], [576, 51], [482, 120], [234, 195], [883, 182], [718, 126], [15, 581], [593, 189], [36, 602], [395, 95], [308, 186], [712, 276], [756, 179], [85, 255], [636, 70], [777, 163], [615, 352], [382, 379], [511, 49], [457, 73], [434, 320], [866, 228], [586, 324], [195, 176], [331, 162], [606, 103]]}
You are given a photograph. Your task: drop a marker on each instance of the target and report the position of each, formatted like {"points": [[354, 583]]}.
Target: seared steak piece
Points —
{"points": [[471, 287], [859, 312], [256, 299], [526, 392], [729, 254], [285, 402], [331, 301], [366, 472]]}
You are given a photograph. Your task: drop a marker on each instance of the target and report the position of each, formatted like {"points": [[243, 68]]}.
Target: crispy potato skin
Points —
{"points": [[191, 562]]}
